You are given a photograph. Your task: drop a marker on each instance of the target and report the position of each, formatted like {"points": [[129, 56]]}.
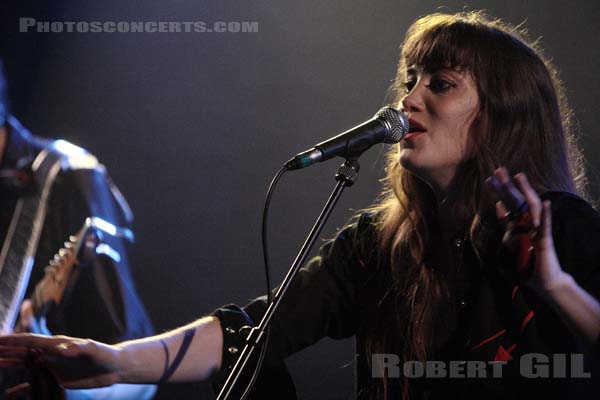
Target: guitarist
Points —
{"points": [[103, 303]]}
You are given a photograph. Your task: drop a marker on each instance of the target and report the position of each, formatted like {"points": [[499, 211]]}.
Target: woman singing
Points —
{"points": [[479, 262]]}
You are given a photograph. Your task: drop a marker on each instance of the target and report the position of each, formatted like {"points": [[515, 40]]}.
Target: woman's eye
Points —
{"points": [[409, 85], [439, 85]]}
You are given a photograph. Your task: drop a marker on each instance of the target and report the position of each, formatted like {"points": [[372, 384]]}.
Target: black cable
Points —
{"points": [[265, 249], [265, 230]]}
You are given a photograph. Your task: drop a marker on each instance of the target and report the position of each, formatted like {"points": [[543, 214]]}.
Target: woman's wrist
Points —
{"points": [[551, 288], [122, 359], [558, 283], [135, 362]]}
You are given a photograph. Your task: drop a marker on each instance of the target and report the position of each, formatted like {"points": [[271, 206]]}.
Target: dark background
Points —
{"points": [[192, 126]]}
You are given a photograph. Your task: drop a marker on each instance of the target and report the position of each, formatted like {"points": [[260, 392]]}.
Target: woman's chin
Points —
{"points": [[407, 160], [411, 164]]}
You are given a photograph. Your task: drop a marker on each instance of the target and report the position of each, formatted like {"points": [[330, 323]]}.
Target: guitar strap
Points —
{"points": [[19, 248]]}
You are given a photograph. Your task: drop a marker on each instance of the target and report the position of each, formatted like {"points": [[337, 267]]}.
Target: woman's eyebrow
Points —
{"points": [[453, 70], [412, 71]]}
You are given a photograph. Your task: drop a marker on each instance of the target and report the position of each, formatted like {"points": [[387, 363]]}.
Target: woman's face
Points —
{"points": [[441, 106]]}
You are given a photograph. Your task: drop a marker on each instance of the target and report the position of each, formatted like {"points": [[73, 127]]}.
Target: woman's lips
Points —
{"points": [[412, 135], [415, 129]]}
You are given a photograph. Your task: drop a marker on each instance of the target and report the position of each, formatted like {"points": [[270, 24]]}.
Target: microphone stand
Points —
{"points": [[345, 177]]}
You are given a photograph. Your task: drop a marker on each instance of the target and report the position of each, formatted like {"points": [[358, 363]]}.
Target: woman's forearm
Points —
{"points": [[578, 308], [146, 360]]}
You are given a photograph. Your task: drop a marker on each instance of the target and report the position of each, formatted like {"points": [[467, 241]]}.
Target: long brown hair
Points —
{"points": [[523, 124]]}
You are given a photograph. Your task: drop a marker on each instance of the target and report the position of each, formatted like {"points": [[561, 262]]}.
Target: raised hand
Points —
{"points": [[528, 223]]}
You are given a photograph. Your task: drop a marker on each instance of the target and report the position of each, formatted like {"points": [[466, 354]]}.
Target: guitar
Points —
{"points": [[60, 275], [61, 272]]}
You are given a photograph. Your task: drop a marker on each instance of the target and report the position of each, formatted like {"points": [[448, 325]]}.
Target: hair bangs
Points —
{"points": [[441, 42]]}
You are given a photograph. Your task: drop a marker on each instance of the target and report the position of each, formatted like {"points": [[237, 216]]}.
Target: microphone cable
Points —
{"points": [[265, 251]]}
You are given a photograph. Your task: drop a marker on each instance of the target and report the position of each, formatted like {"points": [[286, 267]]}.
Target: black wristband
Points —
{"points": [[233, 319]]}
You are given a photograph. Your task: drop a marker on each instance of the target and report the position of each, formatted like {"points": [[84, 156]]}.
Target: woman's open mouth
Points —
{"points": [[415, 129]]}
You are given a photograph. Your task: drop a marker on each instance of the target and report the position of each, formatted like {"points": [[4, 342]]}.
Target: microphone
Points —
{"points": [[387, 126]]}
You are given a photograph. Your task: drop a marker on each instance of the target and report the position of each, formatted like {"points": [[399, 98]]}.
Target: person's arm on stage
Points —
{"points": [[83, 363], [145, 360], [573, 301], [325, 298]]}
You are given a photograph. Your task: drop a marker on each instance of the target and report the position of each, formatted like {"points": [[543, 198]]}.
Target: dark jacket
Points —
{"points": [[337, 292], [103, 304]]}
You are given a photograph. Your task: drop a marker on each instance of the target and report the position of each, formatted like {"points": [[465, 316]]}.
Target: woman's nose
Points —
{"points": [[413, 100]]}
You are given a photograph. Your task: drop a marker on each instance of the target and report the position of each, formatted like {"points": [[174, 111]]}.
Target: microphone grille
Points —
{"points": [[396, 123]]}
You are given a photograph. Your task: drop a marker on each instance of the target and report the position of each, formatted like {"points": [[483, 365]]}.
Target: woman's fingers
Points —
{"points": [[512, 203], [75, 363], [12, 363], [18, 391], [547, 219], [32, 340], [532, 198], [501, 211], [23, 352], [508, 193], [545, 229], [18, 350], [14, 351]]}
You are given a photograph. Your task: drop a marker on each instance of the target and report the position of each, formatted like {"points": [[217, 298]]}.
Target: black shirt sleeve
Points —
{"points": [[576, 232]]}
